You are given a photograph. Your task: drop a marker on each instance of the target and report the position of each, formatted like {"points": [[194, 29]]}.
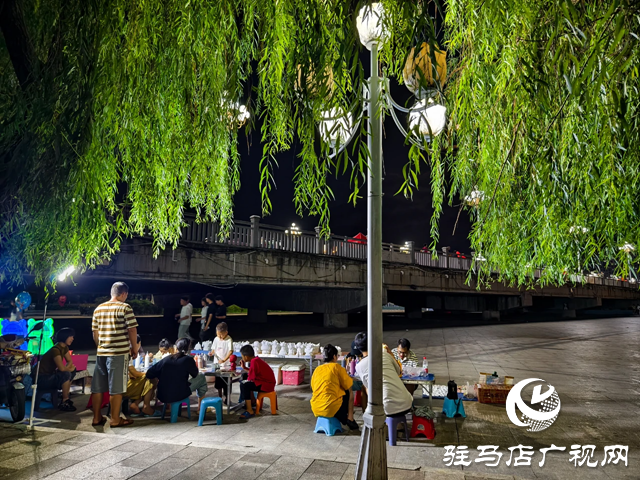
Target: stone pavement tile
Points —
{"points": [[443, 474], [322, 468], [286, 468], [307, 444], [135, 446], [83, 439], [350, 472], [38, 470], [349, 449], [229, 448], [91, 466], [208, 433], [160, 431], [9, 434], [36, 455], [475, 476], [415, 456], [193, 453], [258, 438], [168, 468], [399, 474], [210, 466], [151, 456], [107, 443], [30, 440], [260, 458], [243, 470], [118, 472]]}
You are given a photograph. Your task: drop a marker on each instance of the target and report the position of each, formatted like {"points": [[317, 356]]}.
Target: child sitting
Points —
{"points": [[222, 350], [165, 348], [140, 388], [260, 378]]}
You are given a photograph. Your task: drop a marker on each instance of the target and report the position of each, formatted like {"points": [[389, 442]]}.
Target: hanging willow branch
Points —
{"points": [[114, 115], [568, 71]]}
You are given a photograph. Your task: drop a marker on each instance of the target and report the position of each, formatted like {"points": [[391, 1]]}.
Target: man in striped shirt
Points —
{"points": [[115, 332]]}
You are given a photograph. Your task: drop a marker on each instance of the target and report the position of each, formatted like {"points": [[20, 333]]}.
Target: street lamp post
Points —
{"points": [[338, 128], [372, 459]]}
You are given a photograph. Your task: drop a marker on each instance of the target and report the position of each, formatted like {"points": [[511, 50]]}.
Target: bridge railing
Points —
{"points": [[254, 234]]}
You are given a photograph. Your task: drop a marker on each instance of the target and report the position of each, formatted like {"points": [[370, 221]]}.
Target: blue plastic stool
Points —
{"points": [[452, 408], [176, 407], [215, 402], [330, 426], [392, 426]]}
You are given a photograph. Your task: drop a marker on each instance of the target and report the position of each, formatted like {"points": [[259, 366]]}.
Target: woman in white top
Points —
{"points": [[395, 397], [221, 351]]}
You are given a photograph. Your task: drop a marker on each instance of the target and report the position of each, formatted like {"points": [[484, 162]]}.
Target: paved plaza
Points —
{"points": [[594, 365]]}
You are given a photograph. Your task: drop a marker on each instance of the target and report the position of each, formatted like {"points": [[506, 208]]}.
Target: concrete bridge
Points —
{"points": [[263, 267]]}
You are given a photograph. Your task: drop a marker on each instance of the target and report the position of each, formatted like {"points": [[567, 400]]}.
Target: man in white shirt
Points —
{"points": [[184, 318], [395, 397]]}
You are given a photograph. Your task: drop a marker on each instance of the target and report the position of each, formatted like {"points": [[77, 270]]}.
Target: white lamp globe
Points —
{"points": [[335, 126], [434, 116], [369, 24]]}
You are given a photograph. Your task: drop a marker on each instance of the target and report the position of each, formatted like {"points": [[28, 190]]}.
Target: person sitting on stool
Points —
{"points": [[56, 375], [260, 378], [331, 387], [396, 399], [407, 358]]}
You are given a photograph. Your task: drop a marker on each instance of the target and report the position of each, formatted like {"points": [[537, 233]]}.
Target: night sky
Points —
{"points": [[403, 219]]}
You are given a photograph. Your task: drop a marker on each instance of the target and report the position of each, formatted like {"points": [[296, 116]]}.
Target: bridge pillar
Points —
{"points": [[319, 246], [255, 231], [257, 315], [412, 252], [491, 314], [336, 320]]}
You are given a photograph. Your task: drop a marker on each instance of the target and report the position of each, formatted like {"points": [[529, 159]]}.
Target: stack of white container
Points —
{"points": [[265, 347]]}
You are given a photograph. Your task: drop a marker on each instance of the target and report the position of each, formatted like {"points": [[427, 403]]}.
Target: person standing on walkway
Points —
{"points": [[204, 314], [217, 310], [15, 313], [115, 333], [184, 317]]}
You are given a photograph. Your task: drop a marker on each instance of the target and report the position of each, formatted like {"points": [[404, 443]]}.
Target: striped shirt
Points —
{"points": [[410, 361], [112, 320]]}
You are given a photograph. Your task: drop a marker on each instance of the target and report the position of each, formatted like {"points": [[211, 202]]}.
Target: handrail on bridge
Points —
{"points": [[254, 234]]}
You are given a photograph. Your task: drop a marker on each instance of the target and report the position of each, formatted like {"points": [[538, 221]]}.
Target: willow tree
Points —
{"points": [[545, 113], [117, 116]]}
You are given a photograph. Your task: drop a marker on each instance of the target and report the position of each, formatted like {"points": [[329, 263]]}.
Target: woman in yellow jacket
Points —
{"points": [[331, 386]]}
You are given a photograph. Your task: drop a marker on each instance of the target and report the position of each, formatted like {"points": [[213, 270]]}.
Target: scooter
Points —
{"points": [[14, 366]]}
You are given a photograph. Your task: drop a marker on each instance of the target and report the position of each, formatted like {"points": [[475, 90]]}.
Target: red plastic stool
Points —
{"points": [[423, 426], [357, 399]]}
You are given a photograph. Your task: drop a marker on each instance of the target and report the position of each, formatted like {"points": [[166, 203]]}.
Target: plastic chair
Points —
{"points": [[453, 408], [330, 426], [40, 393], [423, 426], [176, 408], [273, 400], [215, 402], [392, 426]]}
